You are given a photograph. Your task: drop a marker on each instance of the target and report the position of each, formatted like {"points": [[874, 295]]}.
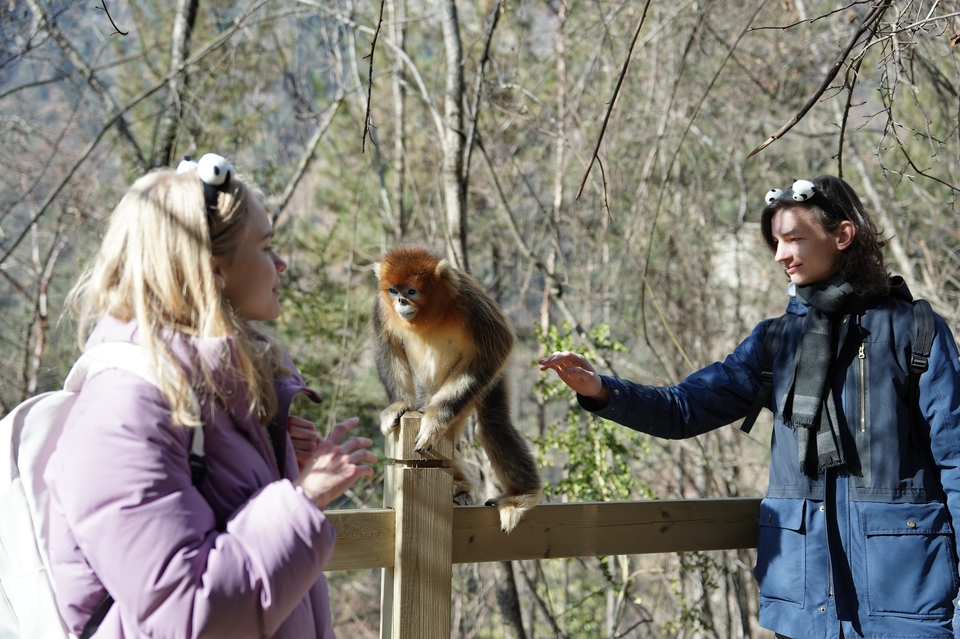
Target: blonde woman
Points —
{"points": [[140, 545]]}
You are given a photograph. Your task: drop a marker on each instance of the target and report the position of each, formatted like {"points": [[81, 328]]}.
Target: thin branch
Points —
{"points": [[399, 52], [68, 75], [373, 48], [306, 158], [613, 99], [867, 23], [544, 609], [103, 5], [17, 285], [54, 151], [477, 86], [556, 287], [851, 83], [75, 58], [669, 168]]}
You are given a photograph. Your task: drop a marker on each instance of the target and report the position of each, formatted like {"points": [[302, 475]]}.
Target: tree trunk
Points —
{"points": [[508, 601], [397, 12], [183, 23], [554, 245], [454, 183]]}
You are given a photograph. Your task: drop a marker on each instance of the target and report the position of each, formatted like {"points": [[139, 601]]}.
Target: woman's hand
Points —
{"points": [[305, 438], [335, 466], [576, 372]]}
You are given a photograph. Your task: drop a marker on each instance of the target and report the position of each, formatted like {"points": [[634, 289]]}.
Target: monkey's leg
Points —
{"points": [[465, 478], [390, 416], [510, 457]]}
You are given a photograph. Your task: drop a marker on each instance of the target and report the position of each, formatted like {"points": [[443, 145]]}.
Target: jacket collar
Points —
{"points": [[898, 289]]}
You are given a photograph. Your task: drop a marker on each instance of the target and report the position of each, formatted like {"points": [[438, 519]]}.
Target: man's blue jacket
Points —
{"points": [[875, 553]]}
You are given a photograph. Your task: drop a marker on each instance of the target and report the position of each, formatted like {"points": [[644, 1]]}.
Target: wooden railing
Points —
{"points": [[418, 537]]}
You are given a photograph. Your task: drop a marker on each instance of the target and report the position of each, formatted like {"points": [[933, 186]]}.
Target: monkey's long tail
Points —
{"points": [[511, 459], [513, 507]]}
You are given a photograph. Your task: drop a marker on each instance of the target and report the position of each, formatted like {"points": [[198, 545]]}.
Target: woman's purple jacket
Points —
{"points": [[240, 556]]}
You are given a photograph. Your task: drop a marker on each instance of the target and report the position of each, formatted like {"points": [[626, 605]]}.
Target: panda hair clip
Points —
{"points": [[801, 191], [215, 174]]}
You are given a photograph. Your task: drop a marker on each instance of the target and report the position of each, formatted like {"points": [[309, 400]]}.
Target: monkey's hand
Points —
{"points": [[390, 417]]}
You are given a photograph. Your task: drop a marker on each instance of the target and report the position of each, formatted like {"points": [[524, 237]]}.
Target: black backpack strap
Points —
{"points": [[771, 345], [198, 460], [97, 617], [923, 319], [919, 356]]}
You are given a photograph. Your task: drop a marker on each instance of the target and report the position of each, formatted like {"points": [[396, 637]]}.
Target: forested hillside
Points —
{"points": [[594, 163]]}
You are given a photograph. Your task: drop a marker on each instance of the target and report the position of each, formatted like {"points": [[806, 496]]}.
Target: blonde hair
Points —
{"points": [[154, 266]]}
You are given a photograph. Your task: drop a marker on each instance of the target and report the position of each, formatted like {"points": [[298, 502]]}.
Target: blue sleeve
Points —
{"points": [[712, 397], [940, 406]]}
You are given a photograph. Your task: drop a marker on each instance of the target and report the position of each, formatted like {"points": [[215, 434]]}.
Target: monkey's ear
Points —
{"points": [[376, 269], [446, 273]]}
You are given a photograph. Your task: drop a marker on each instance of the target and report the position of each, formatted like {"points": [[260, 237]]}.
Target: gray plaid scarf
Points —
{"points": [[818, 430]]}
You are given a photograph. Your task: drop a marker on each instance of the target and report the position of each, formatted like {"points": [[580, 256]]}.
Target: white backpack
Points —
{"points": [[28, 437]]}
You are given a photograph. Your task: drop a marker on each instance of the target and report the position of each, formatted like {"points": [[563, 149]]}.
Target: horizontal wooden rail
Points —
{"points": [[365, 538]]}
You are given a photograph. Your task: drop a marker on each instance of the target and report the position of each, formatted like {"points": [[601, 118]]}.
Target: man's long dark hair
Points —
{"points": [[832, 202]]}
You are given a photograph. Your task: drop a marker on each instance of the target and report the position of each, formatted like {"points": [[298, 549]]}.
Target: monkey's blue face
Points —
{"points": [[404, 301]]}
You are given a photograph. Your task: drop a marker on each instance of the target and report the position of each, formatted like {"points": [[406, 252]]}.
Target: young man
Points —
{"points": [[856, 529]]}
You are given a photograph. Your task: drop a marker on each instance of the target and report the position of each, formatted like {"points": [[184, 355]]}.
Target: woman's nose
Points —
{"points": [[782, 255], [280, 264]]}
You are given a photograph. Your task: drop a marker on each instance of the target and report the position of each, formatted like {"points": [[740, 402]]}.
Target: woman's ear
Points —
{"points": [[845, 234], [217, 266]]}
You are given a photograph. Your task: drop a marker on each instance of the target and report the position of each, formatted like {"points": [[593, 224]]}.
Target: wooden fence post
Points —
{"points": [[415, 594]]}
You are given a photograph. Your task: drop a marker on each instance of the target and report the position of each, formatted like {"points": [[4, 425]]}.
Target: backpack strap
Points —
{"points": [[93, 624], [919, 356], [771, 345], [198, 463], [923, 319]]}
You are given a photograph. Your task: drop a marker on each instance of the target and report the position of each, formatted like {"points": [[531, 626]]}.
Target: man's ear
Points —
{"points": [[845, 234]]}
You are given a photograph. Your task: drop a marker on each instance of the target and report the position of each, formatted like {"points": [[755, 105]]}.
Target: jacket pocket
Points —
{"points": [[782, 551], [908, 559]]}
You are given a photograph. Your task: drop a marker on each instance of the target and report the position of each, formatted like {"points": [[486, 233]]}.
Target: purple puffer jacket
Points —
{"points": [[242, 556]]}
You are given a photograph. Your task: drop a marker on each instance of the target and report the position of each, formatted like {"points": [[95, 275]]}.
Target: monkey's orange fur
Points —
{"points": [[441, 346]]}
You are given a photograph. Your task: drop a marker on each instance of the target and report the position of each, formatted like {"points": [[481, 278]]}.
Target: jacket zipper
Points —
{"points": [[863, 391]]}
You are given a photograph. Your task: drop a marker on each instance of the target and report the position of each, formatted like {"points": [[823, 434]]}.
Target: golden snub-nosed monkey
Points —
{"points": [[441, 347]]}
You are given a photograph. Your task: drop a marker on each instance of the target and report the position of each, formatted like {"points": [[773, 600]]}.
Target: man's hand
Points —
{"points": [[576, 372]]}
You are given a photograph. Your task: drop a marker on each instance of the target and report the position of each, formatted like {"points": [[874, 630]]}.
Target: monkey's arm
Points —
{"points": [[393, 369]]}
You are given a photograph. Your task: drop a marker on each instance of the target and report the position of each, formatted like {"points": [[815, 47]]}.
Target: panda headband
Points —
{"points": [[801, 191], [215, 174]]}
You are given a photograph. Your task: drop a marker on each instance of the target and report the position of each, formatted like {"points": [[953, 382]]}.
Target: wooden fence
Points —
{"points": [[420, 534]]}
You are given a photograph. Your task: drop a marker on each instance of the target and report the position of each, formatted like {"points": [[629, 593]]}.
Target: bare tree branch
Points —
{"points": [[373, 48], [183, 23], [613, 98], [556, 287], [222, 37], [425, 96], [478, 85], [306, 157], [866, 24], [77, 60], [103, 6]]}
